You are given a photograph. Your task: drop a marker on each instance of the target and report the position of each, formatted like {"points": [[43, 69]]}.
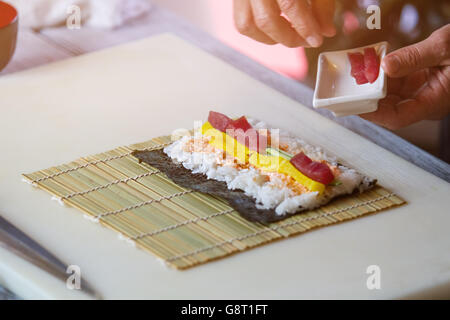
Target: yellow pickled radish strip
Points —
{"points": [[268, 163], [278, 164], [225, 142]]}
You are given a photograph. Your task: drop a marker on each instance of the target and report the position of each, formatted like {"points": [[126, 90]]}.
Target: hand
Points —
{"points": [[419, 83], [262, 20]]}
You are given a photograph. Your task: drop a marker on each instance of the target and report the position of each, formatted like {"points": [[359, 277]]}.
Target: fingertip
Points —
{"points": [[314, 41], [329, 31], [385, 65], [390, 65]]}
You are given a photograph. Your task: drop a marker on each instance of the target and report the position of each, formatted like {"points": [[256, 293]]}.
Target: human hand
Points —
{"points": [[305, 25], [418, 84]]}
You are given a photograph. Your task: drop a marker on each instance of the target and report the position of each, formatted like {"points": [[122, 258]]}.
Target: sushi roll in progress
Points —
{"points": [[265, 174]]}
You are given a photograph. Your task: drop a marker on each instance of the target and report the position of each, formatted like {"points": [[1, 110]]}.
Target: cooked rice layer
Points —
{"points": [[270, 190]]}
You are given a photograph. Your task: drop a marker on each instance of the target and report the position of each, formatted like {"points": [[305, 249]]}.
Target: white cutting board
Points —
{"points": [[56, 113]]}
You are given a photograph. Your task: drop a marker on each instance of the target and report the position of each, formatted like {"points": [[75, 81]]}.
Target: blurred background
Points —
{"points": [[405, 22], [216, 18]]}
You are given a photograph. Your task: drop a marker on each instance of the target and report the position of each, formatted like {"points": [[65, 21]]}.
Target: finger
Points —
{"points": [[394, 85], [244, 22], [406, 87], [394, 113], [428, 53], [435, 93], [302, 18], [268, 19], [324, 12], [413, 83]]}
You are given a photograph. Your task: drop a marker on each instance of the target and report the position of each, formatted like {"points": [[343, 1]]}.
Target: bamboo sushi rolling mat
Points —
{"points": [[182, 227]]}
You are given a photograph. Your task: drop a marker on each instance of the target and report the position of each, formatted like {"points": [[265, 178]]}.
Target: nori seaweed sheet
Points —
{"points": [[237, 199]]}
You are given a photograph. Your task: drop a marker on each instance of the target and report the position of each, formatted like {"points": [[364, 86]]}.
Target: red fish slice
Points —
{"points": [[245, 134], [372, 64], [219, 121], [358, 67], [314, 170], [240, 123], [243, 131]]}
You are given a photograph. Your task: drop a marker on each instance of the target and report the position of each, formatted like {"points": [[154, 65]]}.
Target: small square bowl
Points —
{"points": [[337, 91]]}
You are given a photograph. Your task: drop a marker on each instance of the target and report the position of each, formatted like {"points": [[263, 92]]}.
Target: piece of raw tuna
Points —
{"points": [[358, 67], [371, 64], [314, 170], [219, 121]]}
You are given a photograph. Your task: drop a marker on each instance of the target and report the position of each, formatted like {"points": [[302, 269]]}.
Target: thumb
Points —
{"points": [[427, 53]]}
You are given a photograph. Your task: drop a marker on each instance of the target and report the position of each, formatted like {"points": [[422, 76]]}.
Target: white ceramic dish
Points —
{"points": [[337, 91]]}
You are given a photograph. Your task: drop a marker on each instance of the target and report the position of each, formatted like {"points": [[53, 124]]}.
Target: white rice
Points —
{"points": [[268, 190]]}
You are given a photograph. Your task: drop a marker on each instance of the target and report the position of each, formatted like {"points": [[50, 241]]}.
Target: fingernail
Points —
{"points": [[391, 63], [313, 41], [330, 32]]}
